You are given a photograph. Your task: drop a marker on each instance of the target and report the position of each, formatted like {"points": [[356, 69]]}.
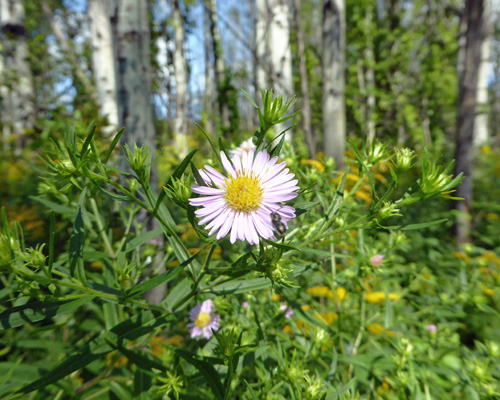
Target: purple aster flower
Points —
{"points": [[432, 328], [244, 304], [243, 201], [203, 322], [287, 310], [377, 259]]}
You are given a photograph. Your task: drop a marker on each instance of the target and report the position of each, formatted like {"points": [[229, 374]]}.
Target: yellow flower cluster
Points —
{"points": [[379, 297], [378, 329], [324, 291]]}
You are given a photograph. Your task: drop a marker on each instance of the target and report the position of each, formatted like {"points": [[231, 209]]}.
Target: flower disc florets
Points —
{"points": [[242, 203]]}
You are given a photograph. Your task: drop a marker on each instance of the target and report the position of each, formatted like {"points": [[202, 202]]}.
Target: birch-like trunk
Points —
{"points": [[481, 120], [180, 70], [134, 79], [467, 94], [16, 81], [281, 54], [219, 66], [261, 46], [135, 97], [304, 82], [209, 87], [103, 61], [333, 64]]}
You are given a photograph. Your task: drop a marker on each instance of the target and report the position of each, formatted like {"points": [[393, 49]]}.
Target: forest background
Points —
{"points": [[397, 98]]}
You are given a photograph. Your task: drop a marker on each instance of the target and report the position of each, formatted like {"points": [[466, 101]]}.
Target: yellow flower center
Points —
{"points": [[202, 320], [243, 193]]}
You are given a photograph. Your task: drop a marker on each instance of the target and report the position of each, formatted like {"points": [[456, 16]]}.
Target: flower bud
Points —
{"points": [[65, 167], [139, 161], [388, 210], [34, 257], [376, 152], [403, 159], [182, 188]]}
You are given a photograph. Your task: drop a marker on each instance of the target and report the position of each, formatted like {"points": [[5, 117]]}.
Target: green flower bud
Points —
{"points": [[388, 210], [314, 387], [172, 384], [65, 167], [403, 159], [182, 188], [139, 161], [376, 152], [34, 257]]}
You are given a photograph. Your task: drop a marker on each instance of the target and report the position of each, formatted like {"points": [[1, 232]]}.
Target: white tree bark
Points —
{"points": [[16, 81], [209, 86], [180, 69], [334, 80], [281, 54], [103, 61], [261, 45], [481, 132], [134, 79]]}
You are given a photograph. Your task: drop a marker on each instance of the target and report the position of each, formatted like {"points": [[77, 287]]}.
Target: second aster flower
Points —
{"points": [[203, 322], [242, 202]]}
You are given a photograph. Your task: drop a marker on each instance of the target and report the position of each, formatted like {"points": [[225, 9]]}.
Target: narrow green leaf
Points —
{"points": [[76, 243], [113, 144], [52, 238], [252, 102], [38, 311], [114, 195], [240, 286], [197, 177], [58, 208], [415, 226], [86, 144], [143, 238]]}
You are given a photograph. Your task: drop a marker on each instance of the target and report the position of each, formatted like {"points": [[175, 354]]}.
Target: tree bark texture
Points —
{"points": [[481, 133], [16, 82], [219, 66], [467, 93], [103, 61], [181, 73], [281, 54], [333, 64], [209, 87], [261, 45], [304, 82]]}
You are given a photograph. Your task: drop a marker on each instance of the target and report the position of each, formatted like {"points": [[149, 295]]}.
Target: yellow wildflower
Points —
{"points": [[306, 307], [328, 317], [322, 291], [316, 164], [379, 297], [378, 329], [488, 291], [276, 297]]}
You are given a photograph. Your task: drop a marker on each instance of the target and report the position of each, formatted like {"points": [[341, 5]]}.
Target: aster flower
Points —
{"points": [[203, 322], [244, 147], [287, 310], [243, 201]]}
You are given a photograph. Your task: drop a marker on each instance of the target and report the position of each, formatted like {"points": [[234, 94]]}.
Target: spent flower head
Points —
{"points": [[404, 158], [203, 321], [243, 202]]}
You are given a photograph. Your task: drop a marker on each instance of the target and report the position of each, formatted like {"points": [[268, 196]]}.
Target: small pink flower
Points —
{"points": [[377, 259], [432, 328], [244, 304], [203, 322], [287, 310]]}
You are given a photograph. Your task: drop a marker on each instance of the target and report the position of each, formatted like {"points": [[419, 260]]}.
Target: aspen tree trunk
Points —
{"points": [[333, 64], [219, 76], [209, 87], [135, 99], [481, 120], [467, 93], [16, 83], [281, 54], [304, 85], [370, 81], [180, 70], [261, 45], [103, 61]]}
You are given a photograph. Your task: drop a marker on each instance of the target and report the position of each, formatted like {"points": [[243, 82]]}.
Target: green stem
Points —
{"points": [[105, 239]]}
